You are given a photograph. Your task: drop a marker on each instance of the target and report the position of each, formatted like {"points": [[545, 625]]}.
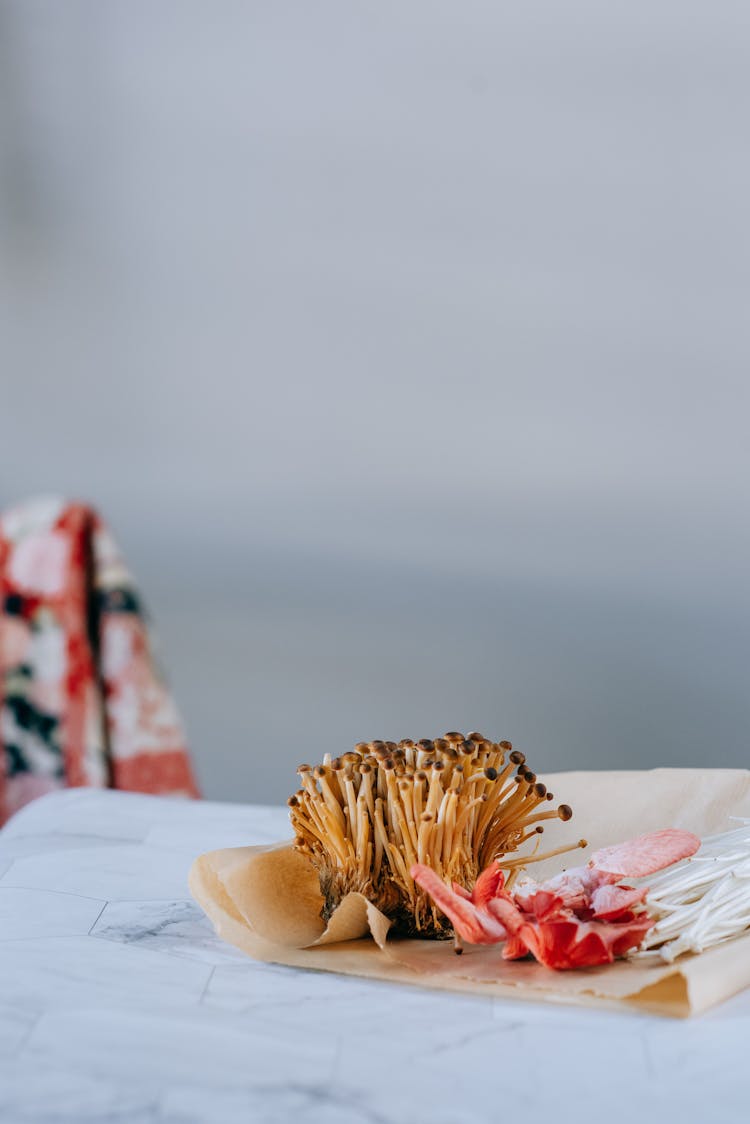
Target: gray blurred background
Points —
{"points": [[406, 348]]}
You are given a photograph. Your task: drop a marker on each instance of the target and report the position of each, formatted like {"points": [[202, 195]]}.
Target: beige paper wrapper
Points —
{"points": [[267, 902]]}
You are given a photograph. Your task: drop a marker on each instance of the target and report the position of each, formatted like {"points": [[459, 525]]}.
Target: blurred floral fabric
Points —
{"points": [[82, 701]]}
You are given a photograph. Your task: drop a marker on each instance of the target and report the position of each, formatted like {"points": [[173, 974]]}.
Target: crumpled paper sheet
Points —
{"points": [[267, 902]]}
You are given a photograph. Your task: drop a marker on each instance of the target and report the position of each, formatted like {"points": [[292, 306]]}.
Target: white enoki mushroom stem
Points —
{"points": [[704, 900]]}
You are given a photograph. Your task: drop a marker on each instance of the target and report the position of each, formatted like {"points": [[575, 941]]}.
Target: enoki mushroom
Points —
{"points": [[704, 900], [455, 804]]}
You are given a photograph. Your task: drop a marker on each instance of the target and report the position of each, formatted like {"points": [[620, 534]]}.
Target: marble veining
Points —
{"points": [[128, 872], [179, 928], [119, 1003], [45, 913]]}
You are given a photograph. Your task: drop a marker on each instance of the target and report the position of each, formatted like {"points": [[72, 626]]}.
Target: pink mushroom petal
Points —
{"points": [[472, 924], [609, 902], [645, 855]]}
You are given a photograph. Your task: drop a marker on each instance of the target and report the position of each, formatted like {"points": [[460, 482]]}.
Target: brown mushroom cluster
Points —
{"points": [[455, 803]]}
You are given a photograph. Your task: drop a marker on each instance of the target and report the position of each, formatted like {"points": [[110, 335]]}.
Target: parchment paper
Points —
{"points": [[267, 902]]}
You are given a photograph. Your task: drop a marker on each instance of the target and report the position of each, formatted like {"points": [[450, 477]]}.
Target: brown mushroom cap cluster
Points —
{"points": [[455, 803]]}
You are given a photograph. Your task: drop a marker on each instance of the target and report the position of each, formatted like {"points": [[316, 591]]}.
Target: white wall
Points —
{"points": [[406, 346]]}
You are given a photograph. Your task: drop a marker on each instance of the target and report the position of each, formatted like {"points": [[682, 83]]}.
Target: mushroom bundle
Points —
{"points": [[703, 901], [456, 804]]}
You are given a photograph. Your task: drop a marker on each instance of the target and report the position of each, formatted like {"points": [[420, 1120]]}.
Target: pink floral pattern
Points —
{"points": [[81, 700]]}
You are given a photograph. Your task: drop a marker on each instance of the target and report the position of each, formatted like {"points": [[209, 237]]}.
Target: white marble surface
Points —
{"points": [[118, 1004]]}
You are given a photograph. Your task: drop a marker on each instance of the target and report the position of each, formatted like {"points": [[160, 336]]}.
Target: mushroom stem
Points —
{"points": [[525, 860], [453, 803]]}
